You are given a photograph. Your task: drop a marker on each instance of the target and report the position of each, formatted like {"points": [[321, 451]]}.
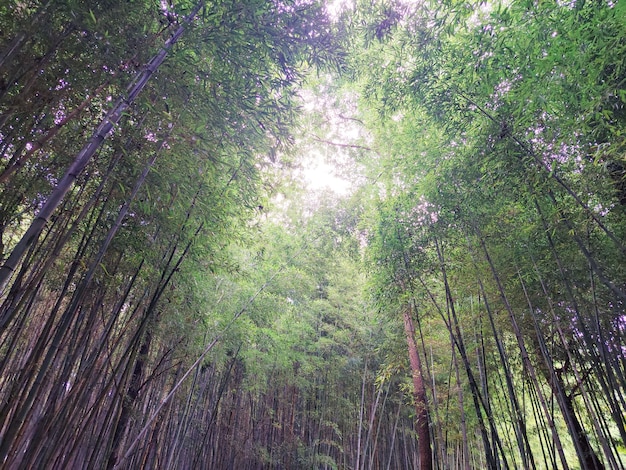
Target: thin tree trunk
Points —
{"points": [[452, 323], [370, 427], [393, 437], [422, 421], [465, 463], [519, 423], [357, 465], [581, 441]]}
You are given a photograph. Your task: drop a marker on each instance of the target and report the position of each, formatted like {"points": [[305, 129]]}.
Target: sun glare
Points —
{"points": [[319, 175]]}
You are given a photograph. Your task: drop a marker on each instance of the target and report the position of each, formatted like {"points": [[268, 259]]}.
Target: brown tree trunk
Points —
{"points": [[419, 393]]}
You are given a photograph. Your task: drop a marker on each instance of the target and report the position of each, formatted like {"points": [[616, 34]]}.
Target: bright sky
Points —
{"points": [[323, 159], [318, 174], [334, 7]]}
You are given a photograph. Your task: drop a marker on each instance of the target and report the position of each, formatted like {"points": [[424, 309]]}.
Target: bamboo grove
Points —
{"points": [[172, 298]]}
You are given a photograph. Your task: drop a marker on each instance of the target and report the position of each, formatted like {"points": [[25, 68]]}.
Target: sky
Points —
{"points": [[319, 174]]}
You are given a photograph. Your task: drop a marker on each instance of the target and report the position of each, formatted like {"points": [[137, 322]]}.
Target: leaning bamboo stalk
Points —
{"points": [[480, 402], [527, 364], [19, 160], [579, 379], [548, 173]]}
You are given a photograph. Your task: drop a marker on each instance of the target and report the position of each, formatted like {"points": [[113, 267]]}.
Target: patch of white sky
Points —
{"points": [[336, 7], [325, 162], [320, 175]]}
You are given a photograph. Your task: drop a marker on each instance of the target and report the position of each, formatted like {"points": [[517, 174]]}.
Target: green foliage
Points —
{"points": [[492, 137]]}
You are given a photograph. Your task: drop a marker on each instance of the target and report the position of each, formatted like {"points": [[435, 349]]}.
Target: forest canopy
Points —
{"points": [[177, 293]]}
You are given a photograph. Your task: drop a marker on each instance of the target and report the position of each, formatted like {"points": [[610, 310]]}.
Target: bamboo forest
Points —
{"points": [[312, 234]]}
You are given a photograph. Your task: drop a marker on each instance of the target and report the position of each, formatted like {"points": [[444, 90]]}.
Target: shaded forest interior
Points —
{"points": [[179, 291]]}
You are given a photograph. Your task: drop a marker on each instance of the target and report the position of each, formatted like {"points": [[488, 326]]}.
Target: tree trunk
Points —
{"points": [[419, 394]]}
